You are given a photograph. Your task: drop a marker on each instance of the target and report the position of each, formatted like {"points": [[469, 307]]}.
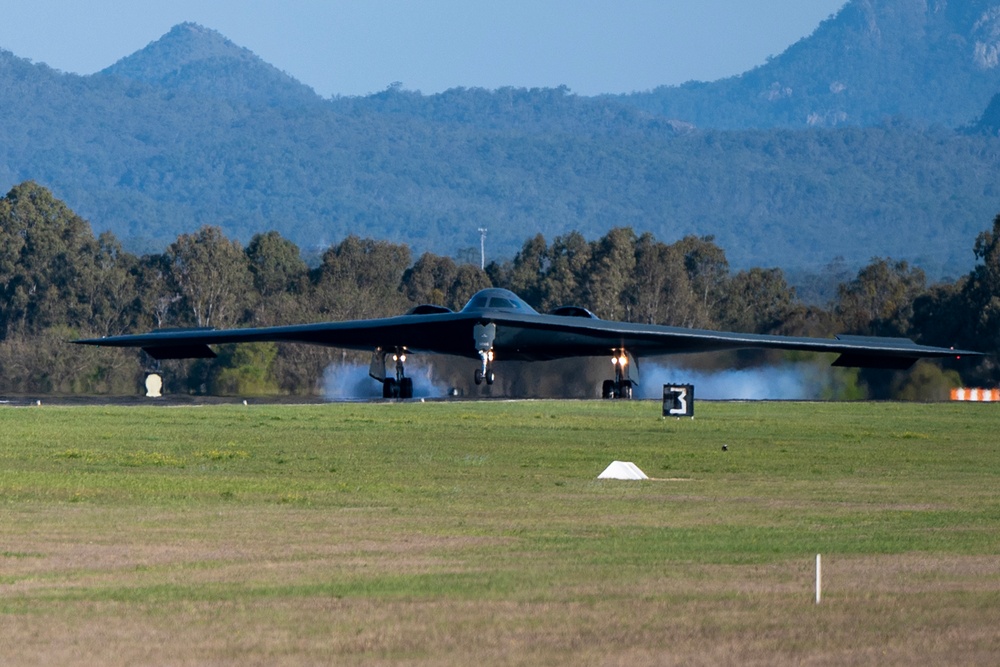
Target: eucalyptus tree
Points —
{"points": [[469, 279], [360, 278], [879, 300], [983, 287], [57, 282], [429, 280], [276, 265], [757, 301], [280, 277], [660, 291], [212, 276], [980, 301], [566, 276], [50, 262], [708, 272], [113, 294], [528, 270], [609, 273]]}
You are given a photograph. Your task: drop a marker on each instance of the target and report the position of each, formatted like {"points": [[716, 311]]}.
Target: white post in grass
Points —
{"points": [[819, 578]]}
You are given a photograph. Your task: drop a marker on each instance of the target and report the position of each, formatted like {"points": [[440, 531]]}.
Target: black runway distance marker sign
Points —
{"points": [[678, 400]]}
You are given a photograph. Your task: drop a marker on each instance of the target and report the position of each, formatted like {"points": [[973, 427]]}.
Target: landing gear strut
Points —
{"points": [[621, 386], [397, 387], [486, 372], [484, 335]]}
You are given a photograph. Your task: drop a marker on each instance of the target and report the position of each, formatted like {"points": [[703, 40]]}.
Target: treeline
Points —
{"points": [[58, 282]]}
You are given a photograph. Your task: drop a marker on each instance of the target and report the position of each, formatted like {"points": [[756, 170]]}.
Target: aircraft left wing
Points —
{"points": [[434, 332]]}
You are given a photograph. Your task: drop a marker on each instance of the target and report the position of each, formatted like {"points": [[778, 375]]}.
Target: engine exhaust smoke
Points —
{"points": [[775, 383], [350, 382]]}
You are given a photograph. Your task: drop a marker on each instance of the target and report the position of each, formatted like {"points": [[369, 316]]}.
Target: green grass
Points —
{"points": [[480, 529]]}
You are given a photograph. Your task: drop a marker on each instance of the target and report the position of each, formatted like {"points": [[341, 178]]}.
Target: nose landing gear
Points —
{"points": [[486, 372], [484, 335]]}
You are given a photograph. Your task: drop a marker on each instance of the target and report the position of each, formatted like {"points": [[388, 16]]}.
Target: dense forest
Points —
{"points": [[59, 282], [193, 130]]}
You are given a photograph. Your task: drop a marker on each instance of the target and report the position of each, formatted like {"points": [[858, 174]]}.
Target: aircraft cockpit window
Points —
{"points": [[499, 299], [499, 302]]}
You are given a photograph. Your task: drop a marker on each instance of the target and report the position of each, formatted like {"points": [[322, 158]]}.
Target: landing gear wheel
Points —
{"points": [[390, 389], [485, 350], [401, 388], [608, 389], [626, 390], [617, 389]]}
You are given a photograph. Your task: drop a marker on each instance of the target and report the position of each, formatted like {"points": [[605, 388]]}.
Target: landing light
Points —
{"points": [[623, 360]]}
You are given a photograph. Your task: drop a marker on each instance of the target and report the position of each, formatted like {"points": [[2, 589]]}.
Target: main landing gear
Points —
{"points": [[397, 387], [621, 386]]}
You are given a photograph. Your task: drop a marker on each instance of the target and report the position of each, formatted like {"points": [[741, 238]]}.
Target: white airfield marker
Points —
{"points": [[622, 470]]}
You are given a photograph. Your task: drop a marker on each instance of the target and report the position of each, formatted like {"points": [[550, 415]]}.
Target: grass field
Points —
{"points": [[459, 533]]}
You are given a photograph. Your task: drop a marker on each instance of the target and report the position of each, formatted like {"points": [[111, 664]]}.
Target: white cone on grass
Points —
{"points": [[622, 470]]}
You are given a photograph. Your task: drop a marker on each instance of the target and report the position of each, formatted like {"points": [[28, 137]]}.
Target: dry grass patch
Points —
{"points": [[701, 629], [267, 547]]}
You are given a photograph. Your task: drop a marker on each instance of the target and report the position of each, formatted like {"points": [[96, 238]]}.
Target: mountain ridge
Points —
{"points": [[940, 58], [195, 130]]}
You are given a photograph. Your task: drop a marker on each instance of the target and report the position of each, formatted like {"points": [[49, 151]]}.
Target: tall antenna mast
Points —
{"points": [[482, 248]]}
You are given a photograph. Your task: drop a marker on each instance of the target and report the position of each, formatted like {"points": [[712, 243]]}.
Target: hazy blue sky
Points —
{"points": [[354, 47]]}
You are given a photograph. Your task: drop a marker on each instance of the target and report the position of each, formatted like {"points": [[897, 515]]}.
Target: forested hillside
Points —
{"points": [[195, 131], [930, 61], [58, 282]]}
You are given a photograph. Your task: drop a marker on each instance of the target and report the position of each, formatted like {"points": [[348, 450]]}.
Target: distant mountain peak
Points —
{"points": [[199, 59], [183, 45]]}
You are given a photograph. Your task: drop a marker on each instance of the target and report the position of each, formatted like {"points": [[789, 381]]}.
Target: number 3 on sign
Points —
{"points": [[678, 400]]}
